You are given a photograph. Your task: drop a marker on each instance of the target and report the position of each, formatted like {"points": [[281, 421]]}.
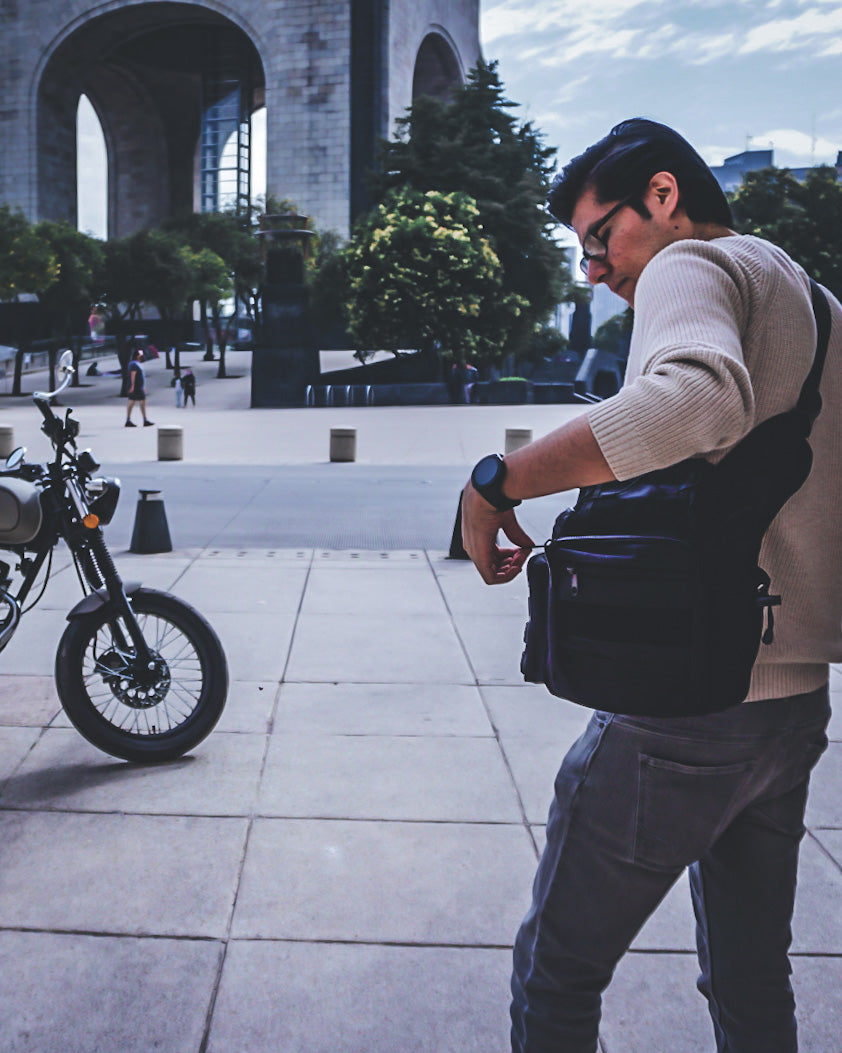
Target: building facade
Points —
{"points": [[174, 85]]}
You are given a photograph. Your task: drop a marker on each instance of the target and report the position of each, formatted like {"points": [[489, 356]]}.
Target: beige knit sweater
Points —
{"points": [[723, 338]]}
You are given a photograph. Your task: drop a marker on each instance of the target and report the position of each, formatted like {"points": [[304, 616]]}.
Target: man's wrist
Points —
{"points": [[488, 478]]}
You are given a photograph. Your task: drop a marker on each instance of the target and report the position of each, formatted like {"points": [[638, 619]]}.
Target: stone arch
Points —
{"points": [[145, 69], [438, 70]]}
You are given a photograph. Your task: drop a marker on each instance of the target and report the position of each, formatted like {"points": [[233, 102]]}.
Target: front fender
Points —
{"points": [[94, 600]]}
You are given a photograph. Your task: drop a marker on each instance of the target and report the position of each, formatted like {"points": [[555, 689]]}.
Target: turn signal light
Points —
{"points": [[91, 521]]}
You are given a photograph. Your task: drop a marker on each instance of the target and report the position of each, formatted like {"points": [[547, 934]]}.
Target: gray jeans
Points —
{"points": [[637, 800]]}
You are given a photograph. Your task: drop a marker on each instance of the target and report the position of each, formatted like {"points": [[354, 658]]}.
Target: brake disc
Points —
{"points": [[119, 672]]}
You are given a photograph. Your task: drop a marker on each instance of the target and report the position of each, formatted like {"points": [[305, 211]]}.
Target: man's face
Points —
{"points": [[631, 239]]}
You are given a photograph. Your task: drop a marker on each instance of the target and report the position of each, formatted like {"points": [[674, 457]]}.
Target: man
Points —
{"points": [[137, 389], [723, 338]]}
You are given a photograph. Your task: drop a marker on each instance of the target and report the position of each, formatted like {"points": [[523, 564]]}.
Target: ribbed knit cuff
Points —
{"points": [[783, 681]]}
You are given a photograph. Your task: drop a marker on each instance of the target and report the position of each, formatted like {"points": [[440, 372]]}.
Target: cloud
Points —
{"points": [[797, 144], [699, 32], [813, 27]]}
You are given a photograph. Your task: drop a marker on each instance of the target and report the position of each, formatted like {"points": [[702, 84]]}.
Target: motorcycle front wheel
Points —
{"points": [[124, 710]]}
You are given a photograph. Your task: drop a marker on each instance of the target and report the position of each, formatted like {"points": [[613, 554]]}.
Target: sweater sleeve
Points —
{"points": [[687, 391]]}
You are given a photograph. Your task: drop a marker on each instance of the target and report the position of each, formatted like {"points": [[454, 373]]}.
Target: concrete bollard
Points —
{"points": [[7, 439], [151, 531], [170, 442], [343, 444], [517, 437]]}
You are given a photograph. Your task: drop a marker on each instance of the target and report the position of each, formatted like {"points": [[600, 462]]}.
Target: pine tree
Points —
{"points": [[473, 145]]}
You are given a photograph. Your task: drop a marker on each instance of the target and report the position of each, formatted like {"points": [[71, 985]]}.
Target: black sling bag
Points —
{"points": [[649, 599]]}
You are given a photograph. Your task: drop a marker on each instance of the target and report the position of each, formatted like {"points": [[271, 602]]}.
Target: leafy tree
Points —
{"points": [[326, 274], [614, 334], [545, 342], [422, 274], [473, 145], [27, 265], [27, 262], [231, 236], [212, 286], [149, 267], [803, 218], [68, 300]]}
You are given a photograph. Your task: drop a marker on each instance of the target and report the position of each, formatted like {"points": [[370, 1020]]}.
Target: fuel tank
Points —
{"points": [[20, 511]]}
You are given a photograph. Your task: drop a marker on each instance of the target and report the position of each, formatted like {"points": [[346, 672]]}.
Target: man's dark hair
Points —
{"points": [[624, 161]]}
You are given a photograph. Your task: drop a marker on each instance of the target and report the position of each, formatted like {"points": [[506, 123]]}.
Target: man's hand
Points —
{"points": [[480, 525]]}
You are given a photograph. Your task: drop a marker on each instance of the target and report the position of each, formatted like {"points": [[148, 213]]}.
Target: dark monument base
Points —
{"points": [[279, 377]]}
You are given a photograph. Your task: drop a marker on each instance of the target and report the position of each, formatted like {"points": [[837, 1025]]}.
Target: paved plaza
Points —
{"points": [[342, 865]]}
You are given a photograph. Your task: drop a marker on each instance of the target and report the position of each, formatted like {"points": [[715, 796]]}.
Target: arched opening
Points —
{"points": [[91, 172], [170, 83], [437, 71]]}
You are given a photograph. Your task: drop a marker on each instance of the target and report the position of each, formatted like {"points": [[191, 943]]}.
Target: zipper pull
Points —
{"points": [[574, 581], [767, 601]]}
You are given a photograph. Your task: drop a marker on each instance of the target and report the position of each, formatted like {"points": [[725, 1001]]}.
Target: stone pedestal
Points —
{"points": [[343, 444]]}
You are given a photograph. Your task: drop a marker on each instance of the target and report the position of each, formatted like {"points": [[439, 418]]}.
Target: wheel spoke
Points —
{"points": [[111, 687]]}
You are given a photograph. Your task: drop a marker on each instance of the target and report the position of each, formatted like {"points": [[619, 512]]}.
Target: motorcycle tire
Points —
{"points": [[143, 723]]}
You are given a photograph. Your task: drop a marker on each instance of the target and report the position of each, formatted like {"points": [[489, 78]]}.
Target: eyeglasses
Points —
{"points": [[593, 247]]}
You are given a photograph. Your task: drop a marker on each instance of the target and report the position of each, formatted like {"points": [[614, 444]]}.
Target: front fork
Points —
{"points": [[115, 594]]}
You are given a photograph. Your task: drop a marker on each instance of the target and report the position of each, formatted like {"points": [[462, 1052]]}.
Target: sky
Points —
{"points": [[728, 74]]}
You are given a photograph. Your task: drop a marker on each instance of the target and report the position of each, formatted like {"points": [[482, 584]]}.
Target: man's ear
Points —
{"points": [[662, 194]]}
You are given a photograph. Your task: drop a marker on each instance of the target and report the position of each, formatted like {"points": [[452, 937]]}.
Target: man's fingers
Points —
{"points": [[515, 532]]}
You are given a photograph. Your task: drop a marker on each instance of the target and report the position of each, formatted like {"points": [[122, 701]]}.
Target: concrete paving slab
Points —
{"points": [[15, 744], [256, 645], [249, 707], [466, 592], [442, 883], [494, 644], [534, 764], [817, 921], [530, 711], [817, 982], [324, 997], [119, 874], [264, 587], [27, 700], [79, 994], [652, 1004], [831, 842], [388, 777], [672, 927], [417, 649], [65, 773], [384, 590], [381, 709], [32, 650], [824, 804]]}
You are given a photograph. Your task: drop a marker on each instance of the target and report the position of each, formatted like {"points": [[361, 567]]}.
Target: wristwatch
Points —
{"points": [[487, 479]]}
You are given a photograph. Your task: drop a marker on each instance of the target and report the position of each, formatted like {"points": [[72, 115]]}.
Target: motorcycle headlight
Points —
{"points": [[87, 463], [103, 495]]}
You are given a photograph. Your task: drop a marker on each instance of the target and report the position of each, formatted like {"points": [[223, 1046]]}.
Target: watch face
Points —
{"points": [[486, 470]]}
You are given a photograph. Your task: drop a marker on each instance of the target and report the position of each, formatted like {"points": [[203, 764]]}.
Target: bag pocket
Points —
{"points": [[533, 662], [624, 631]]}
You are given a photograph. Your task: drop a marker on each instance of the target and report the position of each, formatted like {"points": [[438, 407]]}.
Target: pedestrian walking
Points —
{"points": [[137, 389], [179, 389], [188, 383]]}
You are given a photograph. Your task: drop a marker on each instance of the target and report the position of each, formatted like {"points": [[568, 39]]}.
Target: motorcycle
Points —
{"points": [[140, 673]]}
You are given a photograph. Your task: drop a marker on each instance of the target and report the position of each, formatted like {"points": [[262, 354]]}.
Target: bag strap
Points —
{"points": [[810, 401]]}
